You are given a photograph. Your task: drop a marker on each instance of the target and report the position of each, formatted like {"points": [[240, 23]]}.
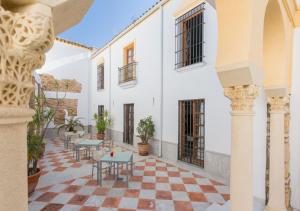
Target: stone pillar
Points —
{"points": [[241, 176], [277, 154], [24, 39]]}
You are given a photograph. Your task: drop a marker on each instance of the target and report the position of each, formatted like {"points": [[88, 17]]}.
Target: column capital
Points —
{"points": [[278, 103], [242, 97], [24, 40]]}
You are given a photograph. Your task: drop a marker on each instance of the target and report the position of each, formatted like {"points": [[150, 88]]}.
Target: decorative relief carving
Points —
{"points": [[242, 97], [65, 104], [49, 83], [278, 103], [24, 39]]}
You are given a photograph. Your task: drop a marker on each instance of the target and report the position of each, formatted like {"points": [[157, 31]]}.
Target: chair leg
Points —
{"points": [[92, 169]]}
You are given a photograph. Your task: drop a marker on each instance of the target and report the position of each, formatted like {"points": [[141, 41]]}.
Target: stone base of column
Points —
{"points": [[13, 162]]}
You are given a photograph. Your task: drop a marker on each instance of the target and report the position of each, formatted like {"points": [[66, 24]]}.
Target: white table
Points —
{"points": [[119, 158], [87, 143]]}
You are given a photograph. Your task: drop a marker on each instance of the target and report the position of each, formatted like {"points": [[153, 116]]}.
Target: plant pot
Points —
{"points": [[100, 136], [143, 149], [33, 181]]}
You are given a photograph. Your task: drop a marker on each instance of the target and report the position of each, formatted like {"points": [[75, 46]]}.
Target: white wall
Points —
{"points": [[295, 122], [99, 97], [65, 61], [199, 81]]}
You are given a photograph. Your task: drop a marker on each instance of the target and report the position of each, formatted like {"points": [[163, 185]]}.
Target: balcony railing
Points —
{"points": [[127, 73]]}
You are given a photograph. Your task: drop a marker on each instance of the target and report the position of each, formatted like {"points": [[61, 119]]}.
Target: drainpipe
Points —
{"points": [[109, 92], [161, 80]]}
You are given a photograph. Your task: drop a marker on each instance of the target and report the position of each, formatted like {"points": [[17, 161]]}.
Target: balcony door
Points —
{"points": [[191, 146], [128, 124]]}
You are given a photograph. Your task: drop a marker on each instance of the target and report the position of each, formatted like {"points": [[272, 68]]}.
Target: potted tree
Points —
{"points": [[102, 122], [145, 131]]}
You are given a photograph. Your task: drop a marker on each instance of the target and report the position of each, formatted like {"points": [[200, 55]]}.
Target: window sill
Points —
{"points": [[128, 84], [191, 67]]}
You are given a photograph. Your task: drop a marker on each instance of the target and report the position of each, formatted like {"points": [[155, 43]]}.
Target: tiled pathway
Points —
{"points": [[156, 185]]}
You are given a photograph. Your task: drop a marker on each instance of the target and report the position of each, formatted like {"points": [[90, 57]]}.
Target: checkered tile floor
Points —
{"points": [[156, 185]]}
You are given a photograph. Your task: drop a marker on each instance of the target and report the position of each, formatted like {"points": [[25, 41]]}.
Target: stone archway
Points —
{"points": [[253, 47], [276, 82]]}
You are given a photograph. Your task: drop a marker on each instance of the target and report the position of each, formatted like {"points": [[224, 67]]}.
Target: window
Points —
{"points": [[189, 37], [100, 110], [100, 76], [129, 54], [128, 71]]}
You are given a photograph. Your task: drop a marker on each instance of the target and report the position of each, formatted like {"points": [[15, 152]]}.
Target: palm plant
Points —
{"points": [[102, 121], [71, 124], [37, 128]]}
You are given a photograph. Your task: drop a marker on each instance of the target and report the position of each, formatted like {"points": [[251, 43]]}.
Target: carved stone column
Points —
{"points": [[24, 39], [241, 176], [277, 154]]}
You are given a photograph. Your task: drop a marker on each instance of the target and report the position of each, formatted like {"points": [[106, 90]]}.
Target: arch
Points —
{"points": [[275, 44]]}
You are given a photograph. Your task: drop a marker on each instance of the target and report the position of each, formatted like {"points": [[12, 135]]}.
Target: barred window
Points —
{"points": [[189, 37], [100, 76]]}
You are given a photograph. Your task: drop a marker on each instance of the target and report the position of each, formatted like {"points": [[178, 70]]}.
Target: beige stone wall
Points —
{"points": [[64, 85], [69, 104]]}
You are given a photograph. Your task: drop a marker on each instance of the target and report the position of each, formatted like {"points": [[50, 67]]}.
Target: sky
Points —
{"points": [[105, 19]]}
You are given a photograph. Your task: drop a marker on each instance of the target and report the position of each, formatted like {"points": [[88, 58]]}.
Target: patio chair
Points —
{"points": [[96, 156], [74, 142]]}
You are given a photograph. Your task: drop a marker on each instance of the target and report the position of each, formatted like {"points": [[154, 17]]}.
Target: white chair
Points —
{"points": [[74, 142], [96, 156]]}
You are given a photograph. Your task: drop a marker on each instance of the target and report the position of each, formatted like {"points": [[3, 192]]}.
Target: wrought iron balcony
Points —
{"points": [[127, 73]]}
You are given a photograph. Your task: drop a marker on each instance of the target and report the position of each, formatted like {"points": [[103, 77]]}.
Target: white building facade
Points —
{"points": [[160, 88]]}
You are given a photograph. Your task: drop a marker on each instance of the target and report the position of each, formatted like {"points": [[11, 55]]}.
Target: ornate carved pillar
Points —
{"points": [[24, 39], [241, 176], [277, 154]]}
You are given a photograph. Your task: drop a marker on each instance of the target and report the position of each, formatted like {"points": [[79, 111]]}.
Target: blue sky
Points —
{"points": [[105, 19]]}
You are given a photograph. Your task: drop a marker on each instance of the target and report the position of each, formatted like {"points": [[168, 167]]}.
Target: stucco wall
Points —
{"points": [[294, 124], [65, 61]]}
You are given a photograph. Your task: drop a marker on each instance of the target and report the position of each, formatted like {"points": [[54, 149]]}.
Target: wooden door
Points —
{"points": [[128, 124]]}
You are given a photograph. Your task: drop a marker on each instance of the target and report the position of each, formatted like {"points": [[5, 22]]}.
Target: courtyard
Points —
{"points": [[66, 184]]}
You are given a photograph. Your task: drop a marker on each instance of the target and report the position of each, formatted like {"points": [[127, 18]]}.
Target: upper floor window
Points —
{"points": [[100, 76], [189, 37], [128, 71]]}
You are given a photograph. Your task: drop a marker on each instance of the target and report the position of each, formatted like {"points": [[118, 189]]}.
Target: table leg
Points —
{"points": [[100, 173], [117, 177], [98, 167], [131, 165], [77, 154], [127, 173]]}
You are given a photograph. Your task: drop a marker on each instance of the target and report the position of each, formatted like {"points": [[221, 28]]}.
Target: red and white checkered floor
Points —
{"points": [[67, 185]]}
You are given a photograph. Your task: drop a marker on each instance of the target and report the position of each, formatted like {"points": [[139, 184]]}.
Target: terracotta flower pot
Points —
{"points": [[100, 136], [33, 181], [143, 149]]}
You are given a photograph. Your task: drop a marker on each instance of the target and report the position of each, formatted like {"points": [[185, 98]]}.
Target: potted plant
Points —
{"points": [[37, 128], [35, 136], [70, 125], [102, 122], [35, 151], [145, 130]]}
